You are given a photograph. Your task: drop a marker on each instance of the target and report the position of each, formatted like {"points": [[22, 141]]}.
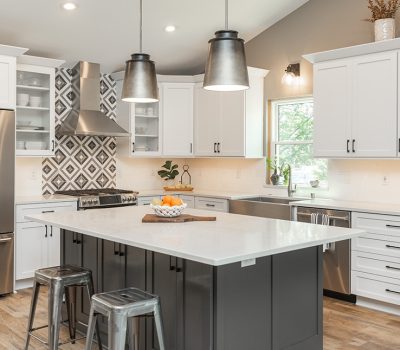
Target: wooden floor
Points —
{"points": [[346, 326]]}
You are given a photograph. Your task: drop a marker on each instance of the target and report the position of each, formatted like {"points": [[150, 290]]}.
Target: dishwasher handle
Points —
{"points": [[331, 217]]}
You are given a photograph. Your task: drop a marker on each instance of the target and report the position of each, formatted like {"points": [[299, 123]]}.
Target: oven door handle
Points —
{"points": [[5, 240]]}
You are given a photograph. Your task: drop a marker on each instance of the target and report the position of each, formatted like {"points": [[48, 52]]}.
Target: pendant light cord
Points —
{"points": [[141, 26], [226, 14]]}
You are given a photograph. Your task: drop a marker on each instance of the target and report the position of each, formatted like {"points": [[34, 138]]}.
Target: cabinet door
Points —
{"points": [[165, 286], [70, 248], [113, 260], [207, 121], [332, 109], [374, 120], [7, 82], [178, 119], [232, 125], [31, 249], [53, 246]]}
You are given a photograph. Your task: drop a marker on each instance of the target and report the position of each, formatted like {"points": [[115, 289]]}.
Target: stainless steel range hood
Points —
{"points": [[86, 119]]}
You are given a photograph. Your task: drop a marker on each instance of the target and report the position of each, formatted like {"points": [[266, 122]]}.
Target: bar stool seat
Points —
{"points": [[61, 280], [120, 307]]}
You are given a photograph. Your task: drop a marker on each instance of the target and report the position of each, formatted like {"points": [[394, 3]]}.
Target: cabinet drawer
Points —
{"points": [[146, 200], [31, 209], [388, 246], [211, 204], [189, 200], [376, 264], [383, 289], [377, 225]]}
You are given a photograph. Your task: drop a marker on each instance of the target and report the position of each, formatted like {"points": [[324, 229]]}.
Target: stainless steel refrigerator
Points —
{"points": [[7, 205]]}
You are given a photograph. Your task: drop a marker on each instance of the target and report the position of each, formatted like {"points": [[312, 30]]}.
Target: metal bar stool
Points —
{"points": [[120, 307], [60, 280]]}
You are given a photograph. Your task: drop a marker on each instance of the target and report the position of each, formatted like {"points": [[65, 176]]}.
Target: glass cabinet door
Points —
{"points": [[35, 111]]}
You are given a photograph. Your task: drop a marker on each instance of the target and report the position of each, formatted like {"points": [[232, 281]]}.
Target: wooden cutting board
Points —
{"points": [[152, 218]]}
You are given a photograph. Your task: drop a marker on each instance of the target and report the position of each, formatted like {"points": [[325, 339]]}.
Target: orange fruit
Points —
{"points": [[167, 199], [176, 201]]}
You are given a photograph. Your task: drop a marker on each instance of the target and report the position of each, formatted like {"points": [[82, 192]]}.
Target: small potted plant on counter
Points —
{"points": [[169, 173], [383, 16]]}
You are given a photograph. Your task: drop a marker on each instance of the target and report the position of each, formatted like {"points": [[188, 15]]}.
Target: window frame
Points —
{"points": [[275, 124]]}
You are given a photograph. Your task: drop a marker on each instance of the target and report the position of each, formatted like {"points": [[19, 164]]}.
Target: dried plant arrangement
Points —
{"points": [[382, 9]]}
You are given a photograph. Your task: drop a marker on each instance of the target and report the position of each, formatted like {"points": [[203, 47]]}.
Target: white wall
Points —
{"points": [[28, 176]]}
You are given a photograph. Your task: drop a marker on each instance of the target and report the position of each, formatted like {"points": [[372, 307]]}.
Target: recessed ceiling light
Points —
{"points": [[69, 6], [170, 29]]}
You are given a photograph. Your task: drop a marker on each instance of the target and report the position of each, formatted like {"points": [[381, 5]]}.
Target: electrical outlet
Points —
{"points": [[385, 180]]}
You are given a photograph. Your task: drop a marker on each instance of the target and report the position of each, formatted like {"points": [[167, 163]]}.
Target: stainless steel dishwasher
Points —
{"points": [[337, 256]]}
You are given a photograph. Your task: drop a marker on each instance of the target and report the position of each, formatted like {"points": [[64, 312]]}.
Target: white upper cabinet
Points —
{"points": [[177, 119], [332, 115], [374, 115], [230, 124], [356, 101], [7, 82]]}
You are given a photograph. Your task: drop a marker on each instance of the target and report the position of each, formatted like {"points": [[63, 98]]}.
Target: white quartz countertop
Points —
{"points": [[199, 193], [364, 207], [44, 199], [231, 238]]}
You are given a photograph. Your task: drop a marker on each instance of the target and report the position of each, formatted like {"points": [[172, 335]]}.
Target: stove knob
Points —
{"points": [[123, 199], [90, 201]]}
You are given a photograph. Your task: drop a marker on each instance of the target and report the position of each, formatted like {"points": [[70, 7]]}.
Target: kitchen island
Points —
{"points": [[240, 282]]}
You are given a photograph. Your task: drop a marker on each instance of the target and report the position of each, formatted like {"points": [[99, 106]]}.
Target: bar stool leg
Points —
{"points": [[91, 327], [70, 300], [90, 290], [117, 331], [159, 326], [35, 295], [56, 291], [133, 332]]}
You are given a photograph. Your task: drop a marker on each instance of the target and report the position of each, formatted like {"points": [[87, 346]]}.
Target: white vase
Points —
{"points": [[385, 29]]}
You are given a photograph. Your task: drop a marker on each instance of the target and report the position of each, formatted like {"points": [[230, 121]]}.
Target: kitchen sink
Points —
{"points": [[262, 206]]}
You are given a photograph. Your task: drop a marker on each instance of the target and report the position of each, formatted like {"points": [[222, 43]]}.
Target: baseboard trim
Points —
{"points": [[378, 305]]}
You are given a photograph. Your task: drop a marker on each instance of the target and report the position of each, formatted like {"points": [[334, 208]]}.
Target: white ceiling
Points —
{"points": [[106, 31]]}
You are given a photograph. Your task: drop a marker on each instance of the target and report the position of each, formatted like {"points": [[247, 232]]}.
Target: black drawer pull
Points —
{"points": [[354, 146], [210, 205], [392, 268], [391, 291], [393, 226], [45, 236], [215, 147], [51, 231], [392, 246], [47, 211], [171, 267], [348, 146]]}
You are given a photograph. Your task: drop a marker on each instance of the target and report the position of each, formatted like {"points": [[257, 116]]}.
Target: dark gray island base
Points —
{"points": [[274, 304]]}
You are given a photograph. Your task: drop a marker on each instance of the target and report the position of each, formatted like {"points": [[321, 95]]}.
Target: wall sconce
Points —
{"points": [[292, 75]]}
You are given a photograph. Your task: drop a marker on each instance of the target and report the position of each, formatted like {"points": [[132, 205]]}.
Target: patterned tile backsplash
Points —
{"points": [[81, 162]]}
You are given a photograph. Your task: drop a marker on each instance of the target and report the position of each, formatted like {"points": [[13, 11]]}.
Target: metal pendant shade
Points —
{"points": [[140, 81], [226, 68]]}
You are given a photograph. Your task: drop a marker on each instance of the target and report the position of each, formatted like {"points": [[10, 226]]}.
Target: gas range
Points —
{"points": [[102, 198]]}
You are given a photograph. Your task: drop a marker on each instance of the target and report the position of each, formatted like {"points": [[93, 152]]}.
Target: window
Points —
{"points": [[292, 140]]}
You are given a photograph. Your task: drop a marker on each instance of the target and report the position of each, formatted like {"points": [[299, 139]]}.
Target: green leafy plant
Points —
{"points": [[170, 171], [272, 164], [282, 170]]}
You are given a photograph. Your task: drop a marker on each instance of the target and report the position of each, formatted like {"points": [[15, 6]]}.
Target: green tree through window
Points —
{"points": [[292, 140]]}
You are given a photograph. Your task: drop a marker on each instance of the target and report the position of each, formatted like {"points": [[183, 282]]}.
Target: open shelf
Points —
{"points": [[33, 88], [33, 131], [147, 116], [141, 135], [34, 108]]}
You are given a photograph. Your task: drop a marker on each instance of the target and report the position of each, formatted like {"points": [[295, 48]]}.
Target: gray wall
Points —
{"points": [[318, 25]]}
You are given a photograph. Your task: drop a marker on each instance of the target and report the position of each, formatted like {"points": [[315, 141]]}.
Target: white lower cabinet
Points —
{"points": [[189, 200], [37, 246], [214, 204], [376, 258]]}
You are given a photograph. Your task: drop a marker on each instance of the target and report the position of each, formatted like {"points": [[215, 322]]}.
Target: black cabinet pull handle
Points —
{"points": [[78, 240], [191, 147], [210, 205], [399, 145], [348, 146], [121, 252], [47, 211], [392, 246], [74, 237], [215, 147], [133, 147], [171, 267], [392, 268], [178, 269], [45, 236], [391, 291], [54, 145], [354, 146], [51, 231], [393, 226], [218, 147], [115, 249]]}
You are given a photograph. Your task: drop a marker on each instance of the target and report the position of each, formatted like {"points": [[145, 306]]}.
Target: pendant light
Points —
{"points": [[226, 68], [140, 82]]}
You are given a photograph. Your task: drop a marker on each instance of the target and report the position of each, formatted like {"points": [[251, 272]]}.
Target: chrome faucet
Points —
{"points": [[291, 191]]}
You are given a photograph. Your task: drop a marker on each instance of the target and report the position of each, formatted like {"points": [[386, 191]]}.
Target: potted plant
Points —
{"points": [[272, 165], [169, 172], [383, 16]]}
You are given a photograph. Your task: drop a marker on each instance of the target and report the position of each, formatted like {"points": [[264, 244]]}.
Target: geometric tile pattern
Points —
{"points": [[81, 162]]}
